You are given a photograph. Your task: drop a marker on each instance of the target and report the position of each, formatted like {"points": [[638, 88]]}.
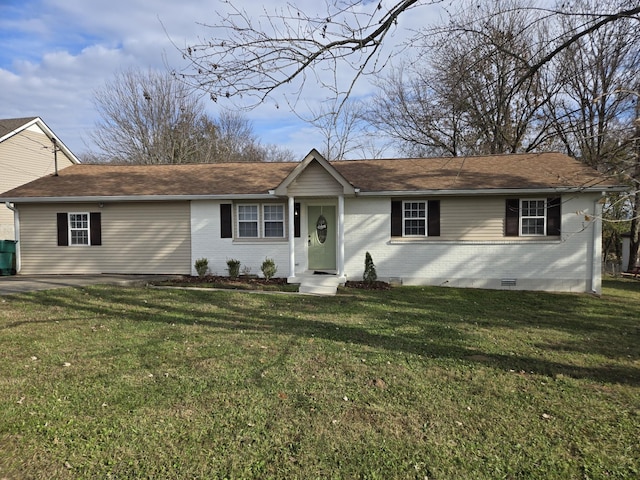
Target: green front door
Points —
{"points": [[322, 237]]}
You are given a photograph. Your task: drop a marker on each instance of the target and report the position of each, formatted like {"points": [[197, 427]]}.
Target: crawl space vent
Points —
{"points": [[508, 282]]}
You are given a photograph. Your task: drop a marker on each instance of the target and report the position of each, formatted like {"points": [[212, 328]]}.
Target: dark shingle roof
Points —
{"points": [[517, 171], [8, 125]]}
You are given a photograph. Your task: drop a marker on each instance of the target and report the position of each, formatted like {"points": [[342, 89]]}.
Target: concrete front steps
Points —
{"points": [[320, 284]]}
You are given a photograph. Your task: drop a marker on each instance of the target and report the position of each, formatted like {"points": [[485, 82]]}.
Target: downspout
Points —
{"points": [[341, 273], [16, 228], [596, 257]]}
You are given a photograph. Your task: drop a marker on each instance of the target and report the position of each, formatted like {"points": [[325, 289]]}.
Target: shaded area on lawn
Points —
{"points": [[431, 322], [111, 382]]}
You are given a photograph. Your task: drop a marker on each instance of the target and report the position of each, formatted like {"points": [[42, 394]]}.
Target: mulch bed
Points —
{"points": [[368, 285], [255, 283]]}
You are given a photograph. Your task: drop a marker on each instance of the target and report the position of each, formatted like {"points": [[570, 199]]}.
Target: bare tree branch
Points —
{"points": [[251, 58]]}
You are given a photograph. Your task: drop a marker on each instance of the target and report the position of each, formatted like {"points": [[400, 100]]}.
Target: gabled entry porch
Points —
{"points": [[316, 257], [316, 192]]}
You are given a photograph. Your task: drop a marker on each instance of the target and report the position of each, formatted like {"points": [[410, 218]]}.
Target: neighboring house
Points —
{"points": [[526, 221], [28, 150]]}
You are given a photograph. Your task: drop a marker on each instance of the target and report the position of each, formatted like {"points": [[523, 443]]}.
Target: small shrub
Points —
{"points": [[202, 266], [246, 270], [268, 268], [370, 274], [233, 267]]}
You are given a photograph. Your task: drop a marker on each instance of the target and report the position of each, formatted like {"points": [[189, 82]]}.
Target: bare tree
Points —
{"points": [[250, 56], [151, 117], [412, 109], [236, 141], [343, 128], [593, 123], [595, 113], [635, 184], [466, 96]]}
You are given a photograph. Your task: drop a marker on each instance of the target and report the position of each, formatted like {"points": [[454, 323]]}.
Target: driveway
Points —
{"points": [[30, 283]]}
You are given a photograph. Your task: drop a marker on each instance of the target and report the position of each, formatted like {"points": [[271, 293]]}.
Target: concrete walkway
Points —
{"points": [[30, 283]]}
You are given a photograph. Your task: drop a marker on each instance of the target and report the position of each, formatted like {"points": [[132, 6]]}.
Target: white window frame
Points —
{"points": [[240, 221], [261, 221], [71, 229], [533, 217], [265, 220], [405, 218]]}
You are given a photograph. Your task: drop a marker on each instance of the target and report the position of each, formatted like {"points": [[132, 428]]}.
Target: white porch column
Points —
{"points": [[292, 246], [341, 236]]}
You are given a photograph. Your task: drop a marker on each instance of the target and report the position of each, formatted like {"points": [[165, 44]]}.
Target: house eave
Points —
{"points": [[135, 198], [492, 191], [603, 190]]}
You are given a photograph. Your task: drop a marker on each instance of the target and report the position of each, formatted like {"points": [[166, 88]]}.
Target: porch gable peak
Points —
{"points": [[314, 156]]}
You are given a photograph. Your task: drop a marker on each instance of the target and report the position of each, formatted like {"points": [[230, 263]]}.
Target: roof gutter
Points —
{"points": [[494, 191], [262, 196], [136, 198]]}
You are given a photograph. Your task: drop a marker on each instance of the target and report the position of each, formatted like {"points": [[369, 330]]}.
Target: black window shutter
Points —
{"points": [[553, 216], [96, 228], [63, 229], [296, 220], [226, 230], [396, 218], [433, 218], [512, 217]]}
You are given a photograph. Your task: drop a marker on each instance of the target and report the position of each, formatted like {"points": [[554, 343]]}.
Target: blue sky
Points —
{"points": [[54, 54]]}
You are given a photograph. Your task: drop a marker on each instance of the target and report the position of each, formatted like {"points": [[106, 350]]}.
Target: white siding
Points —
{"points": [[137, 238], [206, 243], [480, 256], [471, 251]]}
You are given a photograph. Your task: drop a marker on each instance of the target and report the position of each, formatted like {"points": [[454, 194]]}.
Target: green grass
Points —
{"points": [[437, 383]]}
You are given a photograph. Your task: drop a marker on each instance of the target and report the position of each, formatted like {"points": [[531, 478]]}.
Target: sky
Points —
{"points": [[54, 55]]}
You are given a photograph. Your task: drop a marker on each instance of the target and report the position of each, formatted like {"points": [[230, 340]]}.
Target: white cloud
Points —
{"points": [[55, 53]]}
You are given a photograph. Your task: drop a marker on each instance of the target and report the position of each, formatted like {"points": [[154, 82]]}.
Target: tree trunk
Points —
{"points": [[635, 219], [635, 231]]}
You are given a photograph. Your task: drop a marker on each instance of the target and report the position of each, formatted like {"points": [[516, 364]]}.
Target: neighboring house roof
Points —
{"points": [[539, 172], [12, 126]]}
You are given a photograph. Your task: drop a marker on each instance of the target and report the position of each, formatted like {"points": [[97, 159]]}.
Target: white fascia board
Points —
{"points": [[494, 191], [46, 131], [134, 198]]}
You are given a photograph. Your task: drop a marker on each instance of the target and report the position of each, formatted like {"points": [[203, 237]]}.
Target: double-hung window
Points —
{"points": [[273, 218], [261, 221], [414, 219], [248, 221], [79, 229], [533, 215]]}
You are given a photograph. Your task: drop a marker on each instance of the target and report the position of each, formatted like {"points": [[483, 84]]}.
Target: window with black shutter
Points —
{"points": [[226, 230], [79, 229], [415, 218], [532, 217]]}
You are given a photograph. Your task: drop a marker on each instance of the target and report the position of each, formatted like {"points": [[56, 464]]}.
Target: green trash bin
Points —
{"points": [[7, 257]]}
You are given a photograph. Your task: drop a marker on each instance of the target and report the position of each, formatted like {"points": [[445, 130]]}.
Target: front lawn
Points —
{"points": [[415, 382]]}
